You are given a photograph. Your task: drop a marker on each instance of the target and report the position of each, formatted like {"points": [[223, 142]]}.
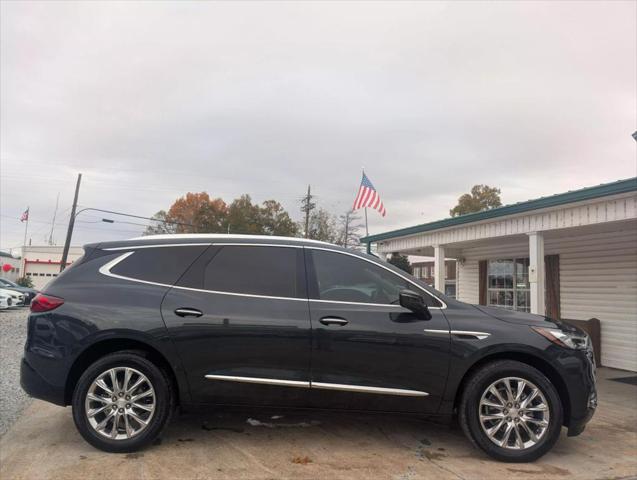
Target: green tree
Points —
{"points": [[275, 220], [25, 282], [482, 197], [244, 216], [159, 226], [212, 217], [401, 261]]}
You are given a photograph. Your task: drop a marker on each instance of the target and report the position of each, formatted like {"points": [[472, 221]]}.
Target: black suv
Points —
{"points": [[138, 327]]}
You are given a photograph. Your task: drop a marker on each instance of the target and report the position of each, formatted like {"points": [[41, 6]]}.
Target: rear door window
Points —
{"points": [[158, 264], [257, 270]]}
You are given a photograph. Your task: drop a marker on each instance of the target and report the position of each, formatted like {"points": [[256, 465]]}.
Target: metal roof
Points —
{"points": [[588, 193]]}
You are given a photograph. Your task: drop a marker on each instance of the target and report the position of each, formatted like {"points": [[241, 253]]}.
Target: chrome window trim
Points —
{"points": [[106, 270], [360, 303], [249, 295], [319, 385], [444, 305]]}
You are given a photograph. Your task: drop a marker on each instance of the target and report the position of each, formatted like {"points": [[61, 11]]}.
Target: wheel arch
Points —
{"points": [[524, 357], [111, 345]]}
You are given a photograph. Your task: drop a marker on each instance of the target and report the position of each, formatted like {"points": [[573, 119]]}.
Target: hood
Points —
{"points": [[9, 291], [521, 318]]}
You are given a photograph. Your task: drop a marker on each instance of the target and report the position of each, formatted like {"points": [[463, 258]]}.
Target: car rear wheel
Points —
{"points": [[122, 402], [511, 411]]}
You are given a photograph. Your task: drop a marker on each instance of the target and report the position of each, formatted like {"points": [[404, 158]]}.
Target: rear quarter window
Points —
{"points": [[158, 264]]}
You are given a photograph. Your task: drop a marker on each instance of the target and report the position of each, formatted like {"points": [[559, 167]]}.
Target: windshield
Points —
{"points": [[7, 283]]}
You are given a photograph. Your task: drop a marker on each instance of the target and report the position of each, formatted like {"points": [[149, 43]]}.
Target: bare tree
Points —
{"points": [[350, 226]]}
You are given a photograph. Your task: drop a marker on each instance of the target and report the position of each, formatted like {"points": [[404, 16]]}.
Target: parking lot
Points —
{"points": [[43, 443]]}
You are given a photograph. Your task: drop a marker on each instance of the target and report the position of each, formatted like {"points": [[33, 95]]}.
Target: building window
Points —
{"points": [[508, 284]]}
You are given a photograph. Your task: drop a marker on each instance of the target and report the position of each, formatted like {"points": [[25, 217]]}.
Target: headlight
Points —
{"points": [[574, 340]]}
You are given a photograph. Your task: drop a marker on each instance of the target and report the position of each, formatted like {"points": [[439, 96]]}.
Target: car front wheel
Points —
{"points": [[122, 402], [511, 411]]}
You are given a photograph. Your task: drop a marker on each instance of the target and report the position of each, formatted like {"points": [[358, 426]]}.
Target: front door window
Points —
{"points": [[345, 278], [508, 284]]}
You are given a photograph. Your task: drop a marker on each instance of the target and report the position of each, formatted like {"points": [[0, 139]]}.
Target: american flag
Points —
{"points": [[25, 216], [368, 197]]}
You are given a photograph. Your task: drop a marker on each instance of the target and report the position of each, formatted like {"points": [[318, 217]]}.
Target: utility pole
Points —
{"points": [[69, 232], [26, 228], [307, 207], [55, 212]]}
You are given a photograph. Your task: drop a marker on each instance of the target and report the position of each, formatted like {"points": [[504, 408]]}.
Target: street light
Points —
{"points": [[67, 243]]}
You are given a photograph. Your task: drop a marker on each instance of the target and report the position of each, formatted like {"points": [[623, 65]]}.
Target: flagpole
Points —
{"points": [[26, 227], [366, 229], [366, 226]]}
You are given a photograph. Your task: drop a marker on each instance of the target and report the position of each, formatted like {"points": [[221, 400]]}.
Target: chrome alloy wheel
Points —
{"points": [[120, 403], [514, 413]]}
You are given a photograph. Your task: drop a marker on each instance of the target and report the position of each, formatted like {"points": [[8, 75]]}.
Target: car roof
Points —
{"points": [[205, 238]]}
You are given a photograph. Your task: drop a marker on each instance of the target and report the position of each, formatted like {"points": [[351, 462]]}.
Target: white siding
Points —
{"points": [[598, 278], [592, 212]]}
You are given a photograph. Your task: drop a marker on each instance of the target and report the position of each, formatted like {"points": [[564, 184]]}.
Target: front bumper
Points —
{"points": [[586, 394]]}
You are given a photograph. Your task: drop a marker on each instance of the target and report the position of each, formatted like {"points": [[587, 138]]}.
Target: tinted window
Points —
{"points": [[345, 278], [159, 264], [270, 271]]}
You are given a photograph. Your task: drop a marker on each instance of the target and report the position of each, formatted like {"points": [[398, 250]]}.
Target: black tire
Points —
{"points": [[470, 406], [164, 401]]}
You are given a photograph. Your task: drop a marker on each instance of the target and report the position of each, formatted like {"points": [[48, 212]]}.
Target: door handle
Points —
{"points": [[333, 321], [188, 312]]}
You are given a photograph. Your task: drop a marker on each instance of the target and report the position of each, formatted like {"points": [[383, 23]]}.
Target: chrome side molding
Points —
{"points": [[461, 334], [468, 334], [363, 389], [319, 385], [263, 381]]}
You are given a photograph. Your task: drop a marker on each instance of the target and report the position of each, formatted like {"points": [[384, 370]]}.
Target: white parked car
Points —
{"points": [[17, 298], [5, 300]]}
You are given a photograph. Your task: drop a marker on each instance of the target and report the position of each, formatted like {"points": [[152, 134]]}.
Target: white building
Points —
{"points": [[42, 263], [9, 266], [572, 256]]}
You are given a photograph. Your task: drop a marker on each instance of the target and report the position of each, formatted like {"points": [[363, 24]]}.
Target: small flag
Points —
{"points": [[368, 197], [25, 216]]}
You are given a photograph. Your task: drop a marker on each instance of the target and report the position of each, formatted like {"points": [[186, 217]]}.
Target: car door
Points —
{"points": [[239, 319], [367, 351]]}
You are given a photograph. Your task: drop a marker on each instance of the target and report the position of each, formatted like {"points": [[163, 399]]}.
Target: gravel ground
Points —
{"points": [[13, 332]]}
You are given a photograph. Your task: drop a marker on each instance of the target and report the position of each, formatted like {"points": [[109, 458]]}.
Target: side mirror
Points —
{"points": [[414, 302]]}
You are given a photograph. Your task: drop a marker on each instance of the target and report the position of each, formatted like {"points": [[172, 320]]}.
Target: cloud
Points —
{"points": [[151, 100]]}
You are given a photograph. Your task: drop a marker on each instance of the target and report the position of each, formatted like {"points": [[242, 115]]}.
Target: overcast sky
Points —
{"points": [[151, 100]]}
